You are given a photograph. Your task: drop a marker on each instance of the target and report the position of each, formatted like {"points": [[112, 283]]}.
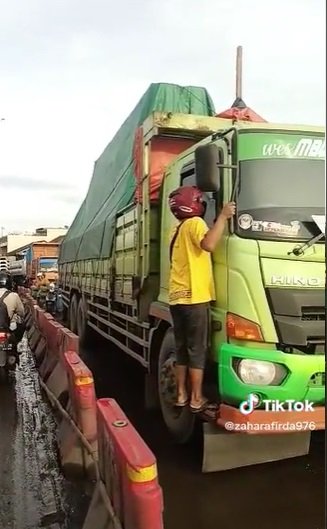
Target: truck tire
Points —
{"points": [[81, 322], [73, 306], [179, 421]]}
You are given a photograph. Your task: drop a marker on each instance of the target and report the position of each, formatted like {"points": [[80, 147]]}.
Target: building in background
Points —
{"points": [[12, 242]]}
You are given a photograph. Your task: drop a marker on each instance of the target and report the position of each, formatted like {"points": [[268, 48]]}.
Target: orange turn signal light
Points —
{"points": [[243, 329]]}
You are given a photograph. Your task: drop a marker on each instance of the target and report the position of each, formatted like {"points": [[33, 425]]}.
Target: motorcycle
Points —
{"points": [[8, 357]]}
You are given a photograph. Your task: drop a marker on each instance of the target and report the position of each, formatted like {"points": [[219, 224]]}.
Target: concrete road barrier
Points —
{"points": [[51, 358], [75, 457], [95, 438], [128, 472], [57, 381]]}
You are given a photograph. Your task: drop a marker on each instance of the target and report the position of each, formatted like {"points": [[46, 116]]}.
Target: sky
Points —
{"points": [[72, 70]]}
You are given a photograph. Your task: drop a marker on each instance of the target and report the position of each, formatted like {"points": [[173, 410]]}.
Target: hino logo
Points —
{"points": [[297, 281]]}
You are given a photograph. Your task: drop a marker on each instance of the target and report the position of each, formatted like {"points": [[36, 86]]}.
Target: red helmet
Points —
{"points": [[186, 202]]}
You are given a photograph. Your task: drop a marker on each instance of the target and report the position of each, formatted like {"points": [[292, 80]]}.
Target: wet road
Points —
{"points": [[279, 495], [33, 493]]}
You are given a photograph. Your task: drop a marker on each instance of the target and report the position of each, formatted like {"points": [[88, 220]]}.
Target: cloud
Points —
{"points": [[71, 199], [71, 72], [31, 184]]}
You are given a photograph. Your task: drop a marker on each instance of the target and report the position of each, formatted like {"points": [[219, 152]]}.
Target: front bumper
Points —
{"points": [[297, 385]]}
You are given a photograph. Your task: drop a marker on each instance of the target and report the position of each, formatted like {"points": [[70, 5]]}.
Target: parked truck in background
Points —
{"points": [[37, 257], [17, 270], [3, 264], [267, 328]]}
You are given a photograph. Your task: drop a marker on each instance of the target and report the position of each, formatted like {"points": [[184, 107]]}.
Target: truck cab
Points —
{"points": [[268, 337]]}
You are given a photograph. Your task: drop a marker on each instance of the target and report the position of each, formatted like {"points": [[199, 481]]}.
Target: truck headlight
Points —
{"points": [[260, 372]]}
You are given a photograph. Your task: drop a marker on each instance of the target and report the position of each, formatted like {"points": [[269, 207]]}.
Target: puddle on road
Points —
{"points": [[35, 493], [38, 483]]}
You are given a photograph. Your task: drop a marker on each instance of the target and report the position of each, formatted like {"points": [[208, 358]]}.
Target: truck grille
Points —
{"points": [[299, 317]]}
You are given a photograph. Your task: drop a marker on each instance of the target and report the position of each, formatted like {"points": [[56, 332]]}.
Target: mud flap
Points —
{"points": [[223, 450]]}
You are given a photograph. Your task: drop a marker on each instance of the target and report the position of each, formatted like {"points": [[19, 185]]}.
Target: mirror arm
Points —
{"points": [[233, 198], [222, 134], [228, 145]]}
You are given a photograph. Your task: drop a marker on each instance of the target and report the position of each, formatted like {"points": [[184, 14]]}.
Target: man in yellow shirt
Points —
{"points": [[191, 288]]}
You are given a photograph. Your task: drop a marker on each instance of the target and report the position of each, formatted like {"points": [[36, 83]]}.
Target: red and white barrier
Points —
{"points": [[75, 458], [57, 381], [128, 469], [51, 358], [34, 332], [95, 437]]}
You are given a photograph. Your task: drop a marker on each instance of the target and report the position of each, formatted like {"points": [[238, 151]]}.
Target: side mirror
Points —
{"points": [[208, 159]]}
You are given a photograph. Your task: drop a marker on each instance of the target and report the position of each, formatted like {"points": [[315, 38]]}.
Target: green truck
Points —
{"points": [[266, 366]]}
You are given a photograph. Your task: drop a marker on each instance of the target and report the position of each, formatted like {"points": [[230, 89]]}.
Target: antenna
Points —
{"points": [[239, 57]]}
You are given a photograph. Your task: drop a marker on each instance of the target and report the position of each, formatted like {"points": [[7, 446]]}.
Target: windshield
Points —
{"points": [[277, 198], [48, 264]]}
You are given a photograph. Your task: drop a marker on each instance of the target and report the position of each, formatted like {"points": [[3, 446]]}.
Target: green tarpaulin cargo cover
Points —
{"points": [[113, 183]]}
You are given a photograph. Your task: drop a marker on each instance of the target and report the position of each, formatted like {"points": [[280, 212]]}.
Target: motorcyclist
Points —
{"points": [[34, 289], [51, 299], [59, 304], [42, 284], [52, 288], [15, 307]]}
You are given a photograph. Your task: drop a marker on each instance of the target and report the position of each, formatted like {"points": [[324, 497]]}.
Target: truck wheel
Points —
{"points": [[179, 421], [81, 322], [73, 306]]}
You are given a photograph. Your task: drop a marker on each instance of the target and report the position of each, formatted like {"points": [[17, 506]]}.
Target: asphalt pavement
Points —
{"points": [[34, 494]]}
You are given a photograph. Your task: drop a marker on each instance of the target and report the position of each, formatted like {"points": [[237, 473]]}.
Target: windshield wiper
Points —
{"points": [[300, 249]]}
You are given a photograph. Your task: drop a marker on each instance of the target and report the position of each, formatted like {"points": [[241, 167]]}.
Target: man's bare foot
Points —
{"points": [[198, 405], [182, 400]]}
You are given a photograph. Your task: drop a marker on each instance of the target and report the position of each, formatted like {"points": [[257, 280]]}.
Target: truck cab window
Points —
{"points": [[211, 211]]}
